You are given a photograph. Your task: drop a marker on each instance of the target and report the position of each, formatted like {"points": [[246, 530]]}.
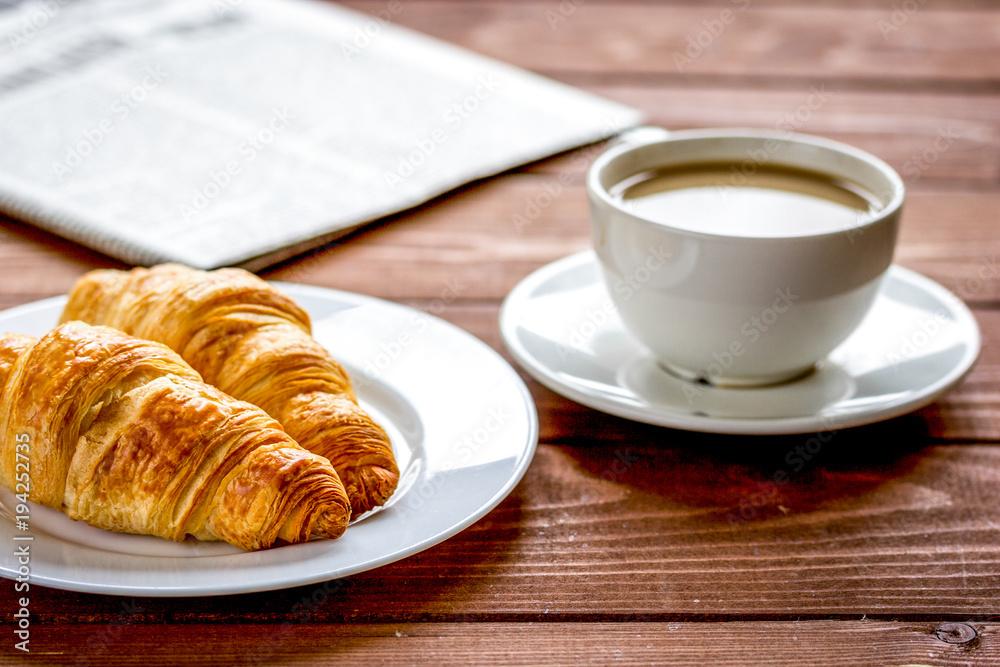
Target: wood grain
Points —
{"points": [[480, 242], [931, 137], [818, 643], [660, 524], [627, 543], [756, 44], [483, 240]]}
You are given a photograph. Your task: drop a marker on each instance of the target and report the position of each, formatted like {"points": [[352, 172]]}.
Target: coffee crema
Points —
{"points": [[773, 201]]}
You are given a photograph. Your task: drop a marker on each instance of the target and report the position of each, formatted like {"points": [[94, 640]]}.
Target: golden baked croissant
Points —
{"points": [[122, 434], [251, 341]]}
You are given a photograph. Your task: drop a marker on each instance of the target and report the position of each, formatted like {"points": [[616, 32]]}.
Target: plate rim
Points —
{"points": [[797, 425], [527, 439]]}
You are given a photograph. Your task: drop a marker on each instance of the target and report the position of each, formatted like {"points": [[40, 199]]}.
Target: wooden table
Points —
{"points": [[884, 549]]}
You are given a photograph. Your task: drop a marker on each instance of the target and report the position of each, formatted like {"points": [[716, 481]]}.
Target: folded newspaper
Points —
{"points": [[242, 132]]}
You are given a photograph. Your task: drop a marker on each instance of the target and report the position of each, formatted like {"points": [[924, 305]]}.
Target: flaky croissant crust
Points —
{"points": [[125, 436], [253, 342]]}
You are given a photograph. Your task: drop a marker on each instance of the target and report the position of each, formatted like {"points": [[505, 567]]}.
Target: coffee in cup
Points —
{"points": [[772, 201], [742, 257]]}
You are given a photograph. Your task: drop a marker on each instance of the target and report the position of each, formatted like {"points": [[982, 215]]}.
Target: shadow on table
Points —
{"points": [[753, 478]]}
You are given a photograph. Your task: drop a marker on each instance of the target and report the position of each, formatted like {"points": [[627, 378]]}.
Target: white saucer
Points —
{"points": [[918, 341]]}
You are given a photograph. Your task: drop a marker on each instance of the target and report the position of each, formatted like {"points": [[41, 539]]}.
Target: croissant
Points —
{"points": [[251, 341], [122, 434]]}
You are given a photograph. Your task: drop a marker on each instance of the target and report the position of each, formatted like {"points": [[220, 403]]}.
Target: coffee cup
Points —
{"points": [[742, 257]]}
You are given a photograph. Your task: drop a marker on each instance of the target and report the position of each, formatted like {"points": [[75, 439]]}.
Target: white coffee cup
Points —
{"points": [[734, 307]]}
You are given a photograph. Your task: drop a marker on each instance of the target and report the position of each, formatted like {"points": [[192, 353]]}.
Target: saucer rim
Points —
{"points": [[509, 321]]}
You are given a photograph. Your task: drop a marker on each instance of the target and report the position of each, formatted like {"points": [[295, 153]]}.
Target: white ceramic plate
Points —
{"points": [[461, 421], [918, 341]]}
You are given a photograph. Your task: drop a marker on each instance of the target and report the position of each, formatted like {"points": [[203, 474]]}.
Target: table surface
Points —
{"points": [[884, 549]]}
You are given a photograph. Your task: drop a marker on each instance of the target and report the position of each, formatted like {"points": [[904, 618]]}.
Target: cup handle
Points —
{"points": [[644, 134]]}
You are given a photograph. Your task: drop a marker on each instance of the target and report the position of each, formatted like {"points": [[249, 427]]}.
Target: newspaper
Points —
{"points": [[242, 132]]}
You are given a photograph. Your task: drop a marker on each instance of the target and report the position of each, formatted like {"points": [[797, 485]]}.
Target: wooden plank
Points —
{"points": [[627, 543], [818, 643], [479, 243], [929, 137], [35, 264], [459, 258], [663, 524], [654, 526], [906, 129], [752, 44]]}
